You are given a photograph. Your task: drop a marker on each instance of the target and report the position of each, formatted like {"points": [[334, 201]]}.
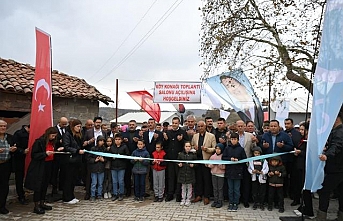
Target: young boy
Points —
{"points": [[140, 169], [234, 172], [276, 174], [258, 170], [218, 172], [186, 175], [158, 170], [97, 168]]}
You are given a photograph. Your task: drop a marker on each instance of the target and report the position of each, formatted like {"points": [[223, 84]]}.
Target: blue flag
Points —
{"points": [[327, 92]]}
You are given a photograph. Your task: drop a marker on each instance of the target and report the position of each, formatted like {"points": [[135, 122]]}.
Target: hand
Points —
{"points": [[2, 150], [179, 137], [49, 152], [140, 160], [180, 164], [277, 173], [97, 159], [190, 132], [296, 152], [271, 174], [154, 161], [155, 136], [203, 148], [280, 144], [81, 151], [165, 136], [323, 157], [265, 144], [191, 165], [60, 148], [135, 139], [222, 140], [254, 139], [26, 150], [125, 139], [196, 147], [102, 159], [140, 133], [61, 141], [13, 148], [85, 143], [254, 171]]}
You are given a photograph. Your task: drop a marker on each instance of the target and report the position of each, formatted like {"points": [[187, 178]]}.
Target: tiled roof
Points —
{"points": [[19, 78]]}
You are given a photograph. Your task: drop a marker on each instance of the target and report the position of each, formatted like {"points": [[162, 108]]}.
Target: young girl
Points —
{"points": [[186, 175], [97, 167], [107, 187], [140, 169], [118, 167], [258, 170], [218, 172]]}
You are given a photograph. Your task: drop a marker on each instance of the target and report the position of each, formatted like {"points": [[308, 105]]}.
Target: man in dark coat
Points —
{"points": [[21, 139]]}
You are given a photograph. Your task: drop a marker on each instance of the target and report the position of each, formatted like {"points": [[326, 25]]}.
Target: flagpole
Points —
{"points": [[117, 100]]}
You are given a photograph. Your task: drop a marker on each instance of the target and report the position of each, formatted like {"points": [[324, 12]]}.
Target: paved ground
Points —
{"points": [[147, 210]]}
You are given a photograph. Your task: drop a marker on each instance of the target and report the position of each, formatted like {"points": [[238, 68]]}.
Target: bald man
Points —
{"points": [[57, 177]]}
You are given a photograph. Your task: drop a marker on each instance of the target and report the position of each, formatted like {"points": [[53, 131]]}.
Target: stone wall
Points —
{"points": [[20, 104]]}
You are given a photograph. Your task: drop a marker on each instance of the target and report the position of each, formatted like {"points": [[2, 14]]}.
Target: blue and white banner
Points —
{"points": [[234, 88], [327, 92]]}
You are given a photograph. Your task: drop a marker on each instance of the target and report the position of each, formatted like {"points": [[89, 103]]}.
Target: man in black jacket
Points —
{"points": [[333, 155], [21, 139], [174, 141]]}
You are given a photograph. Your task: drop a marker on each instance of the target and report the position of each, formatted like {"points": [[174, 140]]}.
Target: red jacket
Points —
{"points": [[161, 164]]}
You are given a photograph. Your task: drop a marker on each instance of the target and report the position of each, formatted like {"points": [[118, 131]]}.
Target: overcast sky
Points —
{"points": [[86, 34]]}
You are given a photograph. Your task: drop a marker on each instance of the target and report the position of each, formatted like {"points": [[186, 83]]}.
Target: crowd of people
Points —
{"points": [[60, 159]]}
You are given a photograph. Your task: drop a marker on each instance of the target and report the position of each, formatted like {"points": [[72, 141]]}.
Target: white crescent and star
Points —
{"points": [[42, 83]]}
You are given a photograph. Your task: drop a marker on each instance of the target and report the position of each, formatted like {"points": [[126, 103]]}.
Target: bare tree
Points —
{"points": [[263, 37]]}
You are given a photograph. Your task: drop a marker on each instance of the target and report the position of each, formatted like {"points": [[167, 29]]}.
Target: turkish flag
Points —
{"points": [[41, 109], [146, 101]]}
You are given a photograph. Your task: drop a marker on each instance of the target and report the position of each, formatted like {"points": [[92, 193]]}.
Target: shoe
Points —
{"points": [[297, 212], [23, 201], [160, 199], [87, 196], [3, 210], [182, 203], [254, 207], [214, 204], [276, 206], [169, 198], [197, 199], [219, 204], [262, 207], [270, 208], [38, 210], [114, 197], [120, 197], [234, 208], [281, 210], [155, 199], [105, 195], [295, 202], [178, 198], [100, 198], [135, 199], [246, 205], [76, 200], [230, 207], [92, 199], [141, 199], [109, 195], [71, 202], [187, 203], [45, 207], [206, 201]]}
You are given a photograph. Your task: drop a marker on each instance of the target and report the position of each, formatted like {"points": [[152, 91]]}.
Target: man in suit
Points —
{"points": [[151, 137], [246, 141], [190, 128], [205, 144], [89, 141], [174, 141], [58, 170], [130, 138]]}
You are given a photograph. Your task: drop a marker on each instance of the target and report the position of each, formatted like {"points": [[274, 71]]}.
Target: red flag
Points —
{"points": [[41, 108], [146, 101]]}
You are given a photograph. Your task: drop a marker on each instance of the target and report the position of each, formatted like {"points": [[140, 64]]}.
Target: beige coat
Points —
{"points": [[248, 144], [209, 142]]}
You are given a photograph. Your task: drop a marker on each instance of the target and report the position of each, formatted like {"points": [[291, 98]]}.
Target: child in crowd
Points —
{"points": [[118, 166], [276, 174], [97, 167], [107, 187], [218, 173], [158, 170], [234, 172], [186, 175], [140, 169], [258, 170]]}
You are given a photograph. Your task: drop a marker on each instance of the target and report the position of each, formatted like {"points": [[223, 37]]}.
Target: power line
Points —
{"points": [[144, 38], [127, 37]]}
